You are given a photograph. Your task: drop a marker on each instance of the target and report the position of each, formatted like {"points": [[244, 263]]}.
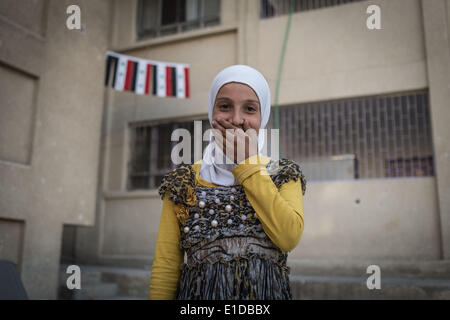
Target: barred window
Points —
{"points": [[151, 149], [156, 18], [360, 138], [272, 8]]}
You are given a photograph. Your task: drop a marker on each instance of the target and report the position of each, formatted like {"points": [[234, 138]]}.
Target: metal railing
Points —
{"points": [[272, 8]]}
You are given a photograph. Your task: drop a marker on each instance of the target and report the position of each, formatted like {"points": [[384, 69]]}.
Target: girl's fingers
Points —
{"points": [[252, 133], [229, 145], [226, 124], [217, 126], [239, 132], [242, 140], [246, 125]]}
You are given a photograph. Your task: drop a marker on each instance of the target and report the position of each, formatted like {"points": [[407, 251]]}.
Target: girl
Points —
{"points": [[234, 220]]}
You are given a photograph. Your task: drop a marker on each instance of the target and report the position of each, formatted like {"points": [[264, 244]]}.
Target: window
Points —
{"points": [[271, 8], [151, 149], [360, 138], [156, 18]]}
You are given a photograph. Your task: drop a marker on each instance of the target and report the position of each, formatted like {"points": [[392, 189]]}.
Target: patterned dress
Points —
{"points": [[229, 256]]}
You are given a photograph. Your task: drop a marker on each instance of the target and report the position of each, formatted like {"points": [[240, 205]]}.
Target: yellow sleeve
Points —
{"points": [[168, 255], [280, 211]]}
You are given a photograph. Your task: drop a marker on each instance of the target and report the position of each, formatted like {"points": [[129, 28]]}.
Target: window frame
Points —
{"points": [[159, 31]]}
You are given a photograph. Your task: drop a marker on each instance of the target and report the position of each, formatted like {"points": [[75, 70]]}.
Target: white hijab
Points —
{"points": [[214, 171]]}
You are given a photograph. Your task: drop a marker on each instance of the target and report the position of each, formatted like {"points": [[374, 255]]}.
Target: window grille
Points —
{"points": [[272, 8], [151, 149], [360, 138], [156, 18]]}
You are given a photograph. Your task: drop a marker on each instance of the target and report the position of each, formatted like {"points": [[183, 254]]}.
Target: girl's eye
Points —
{"points": [[251, 108], [223, 106]]}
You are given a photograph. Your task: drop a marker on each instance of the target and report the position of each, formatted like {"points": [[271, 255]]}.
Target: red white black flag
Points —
{"points": [[163, 79]]}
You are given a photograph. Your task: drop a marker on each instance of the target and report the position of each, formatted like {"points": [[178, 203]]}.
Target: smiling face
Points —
{"points": [[236, 102]]}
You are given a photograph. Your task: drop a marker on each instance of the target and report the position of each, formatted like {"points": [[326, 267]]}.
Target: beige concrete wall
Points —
{"points": [[330, 54], [116, 240], [51, 103], [386, 219]]}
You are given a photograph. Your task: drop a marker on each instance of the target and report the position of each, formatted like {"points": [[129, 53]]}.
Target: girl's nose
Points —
{"points": [[237, 119]]}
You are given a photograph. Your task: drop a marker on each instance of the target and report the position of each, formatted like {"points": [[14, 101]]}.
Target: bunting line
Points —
{"points": [[144, 77]]}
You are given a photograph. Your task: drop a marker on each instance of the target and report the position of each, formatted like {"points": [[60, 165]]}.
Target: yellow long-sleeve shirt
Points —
{"points": [[279, 210]]}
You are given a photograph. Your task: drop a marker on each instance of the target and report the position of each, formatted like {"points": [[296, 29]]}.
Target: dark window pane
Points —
{"points": [[212, 9], [169, 12], [149, 14], [159, 18]]}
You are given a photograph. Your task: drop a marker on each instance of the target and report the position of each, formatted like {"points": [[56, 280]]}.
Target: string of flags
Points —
{"points": [[163, 79]]}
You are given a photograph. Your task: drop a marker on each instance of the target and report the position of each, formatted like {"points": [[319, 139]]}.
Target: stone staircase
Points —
{"points": [[332, 279], [106, 283], [310, 280]]}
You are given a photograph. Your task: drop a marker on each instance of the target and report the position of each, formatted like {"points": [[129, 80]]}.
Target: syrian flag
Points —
{"points": [[181, 82], [160, 80], [141, 76], [120, 75]]}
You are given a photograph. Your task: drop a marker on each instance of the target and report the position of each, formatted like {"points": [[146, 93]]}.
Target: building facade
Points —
{"points": [[363, 111]]}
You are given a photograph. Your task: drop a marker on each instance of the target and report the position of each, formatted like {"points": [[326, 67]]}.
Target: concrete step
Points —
{"points": [[131, 282], [438, 269], [96, 291], [122, 298], [88, 276], [128, 282], [355, 288]]}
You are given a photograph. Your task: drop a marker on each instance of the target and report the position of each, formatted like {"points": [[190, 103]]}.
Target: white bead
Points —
{"points": [[228, 208], [243, 217], [196, 228], [230, 221], [241, 226], [186, 229], [211, 211], [196, 216], [231, 198], [214, 223], [248, 204], [203, 194], [233, 190], [201, 204], [216, 192], [217, 200]]}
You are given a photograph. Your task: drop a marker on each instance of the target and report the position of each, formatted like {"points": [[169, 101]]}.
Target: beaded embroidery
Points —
{"points": [[229, 256]]}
